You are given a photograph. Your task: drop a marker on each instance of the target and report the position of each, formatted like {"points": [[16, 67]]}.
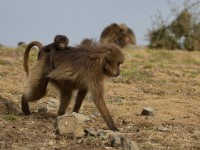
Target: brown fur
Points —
{"points": [[77, 68], [87, 42], [60, 43], [118, 34], [26, 54]]}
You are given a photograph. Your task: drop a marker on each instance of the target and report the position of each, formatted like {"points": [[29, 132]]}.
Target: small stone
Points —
{"points": [[164, 129], [97, 114], [80, 141], [42, 110], [91, 132], [108, 133], [92, 116], [119, 100], [115, 141], [81, 117], [147, 111], [133, 145], [124, 122]]}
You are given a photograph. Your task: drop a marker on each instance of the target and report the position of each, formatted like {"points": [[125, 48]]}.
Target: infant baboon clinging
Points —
{"points": [[60, 43], [82, 68]]}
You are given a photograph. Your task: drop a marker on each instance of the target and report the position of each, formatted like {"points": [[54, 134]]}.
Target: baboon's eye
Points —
{"points": [[119, 64], [109, 62]]}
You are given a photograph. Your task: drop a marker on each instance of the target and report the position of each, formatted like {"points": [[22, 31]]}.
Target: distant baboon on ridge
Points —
{"points": [[82, 68], [21, 43], [119, 34], [87, 42]]}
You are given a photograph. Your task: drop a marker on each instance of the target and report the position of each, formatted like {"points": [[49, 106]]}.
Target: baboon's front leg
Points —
{"points": [[98, 99], [100, 104], [64, 101], [79, 99]]}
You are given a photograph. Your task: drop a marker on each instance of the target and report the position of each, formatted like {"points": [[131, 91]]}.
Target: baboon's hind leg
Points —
{"points": [[33, 92]]}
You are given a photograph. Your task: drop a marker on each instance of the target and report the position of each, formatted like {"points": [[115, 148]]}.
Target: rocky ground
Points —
{"points": [[168, 82]]}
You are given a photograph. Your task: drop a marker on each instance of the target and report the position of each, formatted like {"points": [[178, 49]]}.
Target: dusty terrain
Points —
{"points": [[167, 81]]}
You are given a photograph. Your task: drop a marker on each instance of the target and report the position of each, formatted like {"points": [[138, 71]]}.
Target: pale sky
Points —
{"points": [[28, 20]]}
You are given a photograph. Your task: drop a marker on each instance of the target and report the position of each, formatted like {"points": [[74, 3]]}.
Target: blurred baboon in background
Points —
{"points": [[87, 42], [21, 43], [119, 34]]}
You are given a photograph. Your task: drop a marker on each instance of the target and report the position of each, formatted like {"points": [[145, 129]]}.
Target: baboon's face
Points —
{"points": [[61, 41], [113, 61], [120, 39], [62, 44]]}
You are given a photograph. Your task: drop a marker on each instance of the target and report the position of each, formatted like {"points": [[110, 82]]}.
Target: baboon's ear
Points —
{"points": [[108, 54]]}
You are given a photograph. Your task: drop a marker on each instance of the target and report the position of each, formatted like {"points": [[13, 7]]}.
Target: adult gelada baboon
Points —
{"points": [[119, 34], [83, 68]]}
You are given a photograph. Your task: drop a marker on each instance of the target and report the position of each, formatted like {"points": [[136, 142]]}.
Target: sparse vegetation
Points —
{"points": [[167, 81], [181, 33], [9, 117]]}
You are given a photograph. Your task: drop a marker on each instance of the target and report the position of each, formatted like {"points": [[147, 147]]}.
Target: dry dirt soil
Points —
{"points": [[166, 81]]}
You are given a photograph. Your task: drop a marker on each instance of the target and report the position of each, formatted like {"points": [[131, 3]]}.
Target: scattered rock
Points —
{"points": [[97, 114], [124, 143], [71, 126], [115, 141], [164, 129], [133, 145], [91, 132], [92, 116], [118, 139], [74, 126], [42, 110], [120, 100], [81, 117], [147, 111], [7, 107], [108, 133], [80, 141]]}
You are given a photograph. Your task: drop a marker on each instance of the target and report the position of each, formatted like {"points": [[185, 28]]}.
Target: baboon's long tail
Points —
{"points": [[26, 54]]}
